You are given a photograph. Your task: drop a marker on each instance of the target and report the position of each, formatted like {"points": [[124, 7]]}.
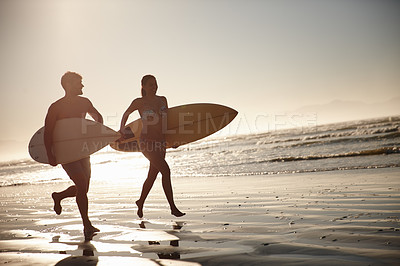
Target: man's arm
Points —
{"points": [[49, 124], [94, 113]]}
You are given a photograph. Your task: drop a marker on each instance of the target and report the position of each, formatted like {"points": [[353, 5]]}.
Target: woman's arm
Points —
{"points": [[164, 99], [133, 107]]}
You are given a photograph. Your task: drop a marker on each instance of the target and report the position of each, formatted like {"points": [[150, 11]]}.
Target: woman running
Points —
{"points": [[153, 111]]}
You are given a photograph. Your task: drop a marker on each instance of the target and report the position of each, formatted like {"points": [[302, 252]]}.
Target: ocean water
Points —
{"points": [[362, 144]]}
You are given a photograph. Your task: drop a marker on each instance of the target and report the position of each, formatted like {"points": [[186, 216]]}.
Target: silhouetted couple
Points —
{"points": [[153, 111]]}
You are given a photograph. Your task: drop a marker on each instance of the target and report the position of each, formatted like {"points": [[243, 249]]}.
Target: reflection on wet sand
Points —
{"points": [[91, 255], [87, 257], [174, 243]]}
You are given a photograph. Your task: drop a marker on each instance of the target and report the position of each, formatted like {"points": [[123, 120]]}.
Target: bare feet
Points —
{"points": [[177, 213], [57, 203], [140, 209], [89, 232], [174, 212]]}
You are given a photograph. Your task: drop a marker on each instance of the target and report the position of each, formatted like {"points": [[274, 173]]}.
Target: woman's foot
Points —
{"points": [[140, 209], [90, 231], [177, 213], [57, 203]]}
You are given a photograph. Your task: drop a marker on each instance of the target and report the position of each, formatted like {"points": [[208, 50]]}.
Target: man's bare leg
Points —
{"points": [[59, 196], [80, 172], [83, 203]]}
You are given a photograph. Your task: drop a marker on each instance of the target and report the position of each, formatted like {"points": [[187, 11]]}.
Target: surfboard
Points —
{"points": [[185, 124], [73, 139]]}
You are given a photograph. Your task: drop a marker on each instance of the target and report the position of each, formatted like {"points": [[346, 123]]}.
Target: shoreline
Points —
{"points": [[350, 217]]}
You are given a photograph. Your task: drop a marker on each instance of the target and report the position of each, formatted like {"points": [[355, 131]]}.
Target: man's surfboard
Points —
{"points": [[73, 139], [185, 124]]}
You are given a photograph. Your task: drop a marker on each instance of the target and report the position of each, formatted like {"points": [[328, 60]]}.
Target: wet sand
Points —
{"points": [[329, 218]]}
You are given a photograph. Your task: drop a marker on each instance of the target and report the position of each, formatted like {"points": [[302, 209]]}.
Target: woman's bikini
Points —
{"points": [[148, 115]]}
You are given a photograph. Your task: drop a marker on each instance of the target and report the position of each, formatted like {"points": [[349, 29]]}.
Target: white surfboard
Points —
{"points": [[73, 139]]}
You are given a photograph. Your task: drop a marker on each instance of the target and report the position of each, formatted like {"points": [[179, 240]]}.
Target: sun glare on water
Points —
{"points": [[117, 167]]}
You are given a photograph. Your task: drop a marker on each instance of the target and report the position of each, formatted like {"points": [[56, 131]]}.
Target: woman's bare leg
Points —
{"points": [[148, 184], [158, 161]]}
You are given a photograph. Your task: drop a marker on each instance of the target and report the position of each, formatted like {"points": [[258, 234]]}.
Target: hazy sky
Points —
{"points": [[258, 57]]}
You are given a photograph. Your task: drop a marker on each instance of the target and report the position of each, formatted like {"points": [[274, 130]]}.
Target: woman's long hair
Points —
{"points": [[144, 81]]}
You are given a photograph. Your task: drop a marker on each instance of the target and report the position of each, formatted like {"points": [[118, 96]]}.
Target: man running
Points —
{"points": [[72, 105]]}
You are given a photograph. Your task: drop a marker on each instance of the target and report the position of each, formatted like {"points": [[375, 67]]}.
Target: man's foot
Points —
{"points": [[57, 203], [140, 209], [177, 213], [89, 232]]}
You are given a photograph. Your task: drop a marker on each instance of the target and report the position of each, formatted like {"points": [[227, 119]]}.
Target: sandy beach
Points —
{"points": [[326, 218]]}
